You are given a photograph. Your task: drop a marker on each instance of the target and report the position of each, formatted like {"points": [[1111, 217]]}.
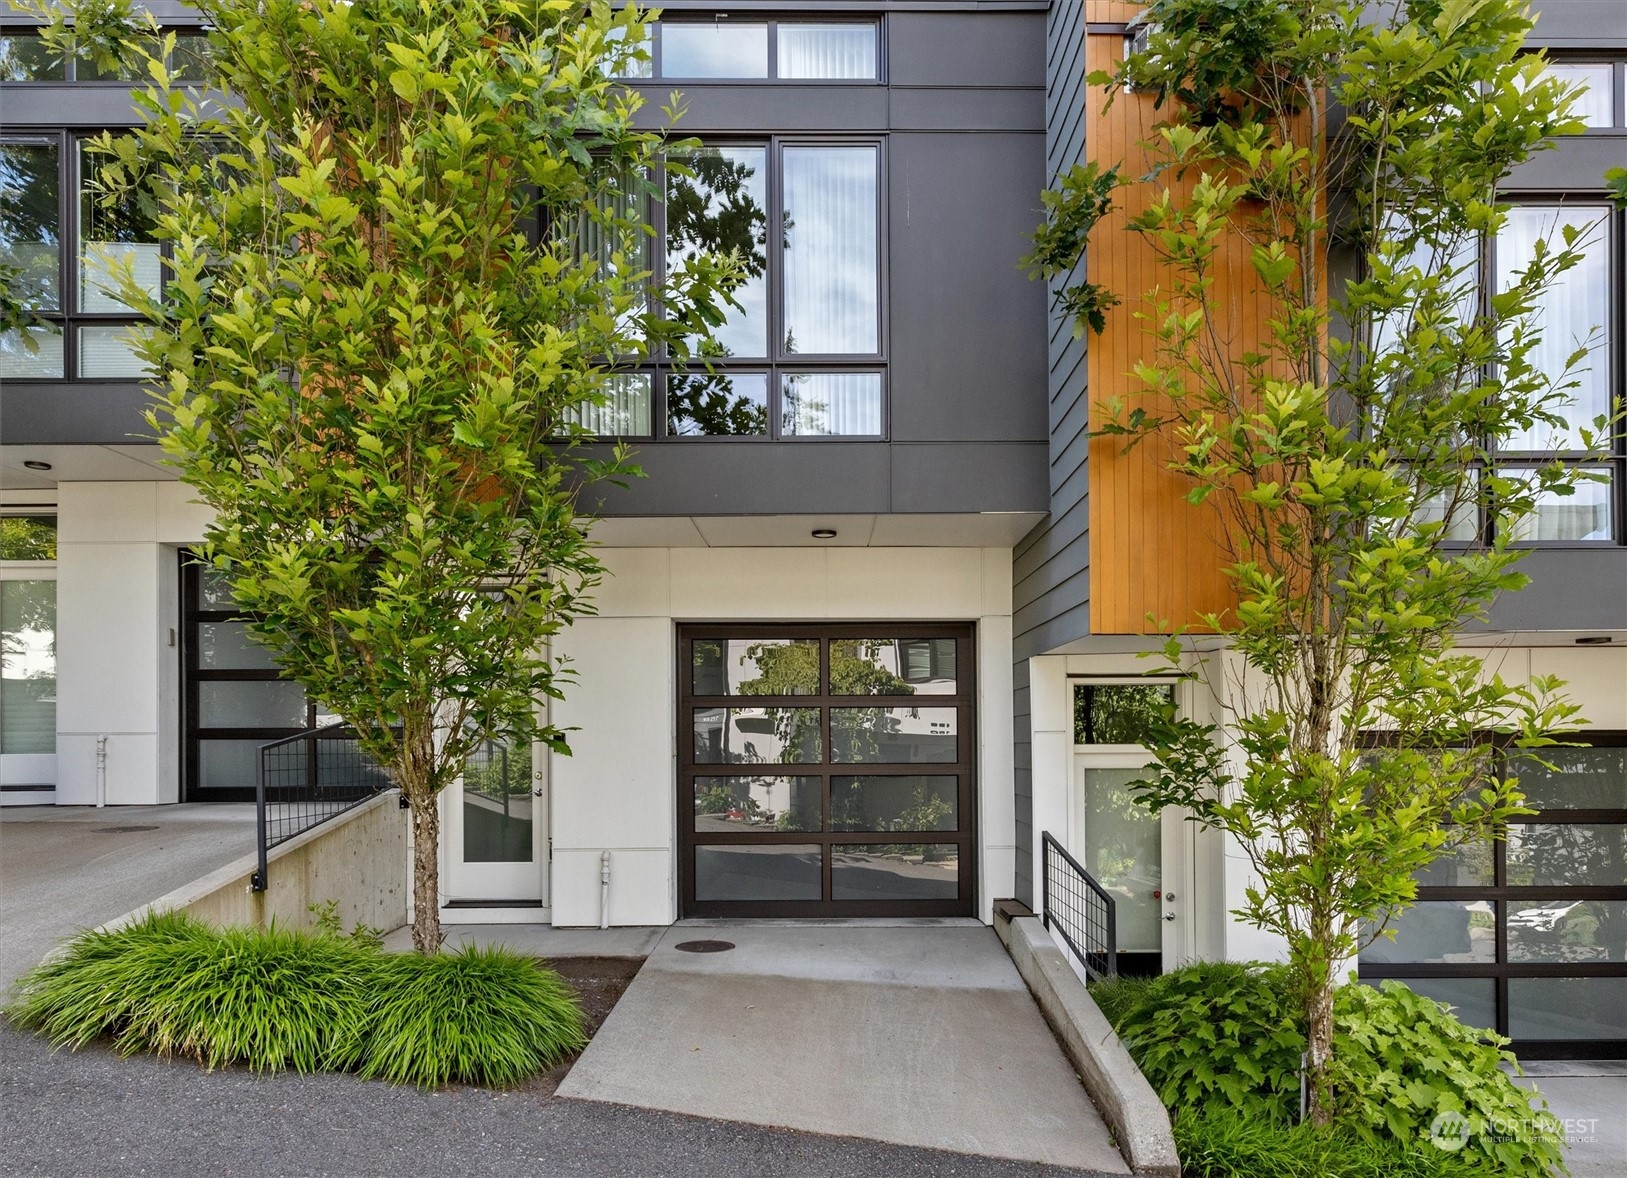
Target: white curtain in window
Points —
{"points": [[18, 361], [832, 267], [1584, 515], [827, 51], [1574, 313], [831, 404], [626, 411], [108, 353]]}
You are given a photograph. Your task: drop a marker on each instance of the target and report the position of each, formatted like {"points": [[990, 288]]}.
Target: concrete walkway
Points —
{"points": [[1590, 1097], [67, 868], [898, 1032]]}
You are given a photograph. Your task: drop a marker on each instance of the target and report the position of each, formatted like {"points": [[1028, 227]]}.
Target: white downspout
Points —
{"points": [[604, 890], [101, 771]]}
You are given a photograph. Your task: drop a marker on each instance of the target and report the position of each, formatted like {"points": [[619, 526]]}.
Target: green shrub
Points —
{"points": [[1232, 1144], [1401, 1060], [274, 998], [1221, 1044], [1217, 1034], [474, 1016]]}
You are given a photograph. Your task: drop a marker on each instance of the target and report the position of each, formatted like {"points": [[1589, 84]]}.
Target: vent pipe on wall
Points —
{"points": [[604, 890], [101, 771]]}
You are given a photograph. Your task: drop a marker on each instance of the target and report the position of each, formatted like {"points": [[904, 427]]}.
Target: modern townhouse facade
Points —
{"points": [[868, 621], [1528, 936]]}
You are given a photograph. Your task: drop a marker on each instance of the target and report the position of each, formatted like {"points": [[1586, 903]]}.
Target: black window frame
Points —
{"points": [[69, 317], [1499, 894]]}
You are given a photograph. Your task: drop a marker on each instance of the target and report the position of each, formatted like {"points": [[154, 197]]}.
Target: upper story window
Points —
{"points": [[723, 48], [25, 58], [1578, 312], [1600, 101], [69, 250], [802, 355]]}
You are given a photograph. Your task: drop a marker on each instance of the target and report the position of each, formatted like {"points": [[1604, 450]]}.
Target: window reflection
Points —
{"points": [[1573, 778], [28, 666], [30, 240], [893, 803], [720, 207], [115, 239], [894, 871], [497, 801], [878, 736], [717, 404], [1460, 931], [757, 803], [757, 873], [831, 404], [755, 666], [755, 736], [719, 49]]}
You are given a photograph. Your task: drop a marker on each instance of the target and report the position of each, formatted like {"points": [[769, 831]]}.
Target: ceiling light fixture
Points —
{"points": [[36, 464], [1595, 640], [824, 533]]}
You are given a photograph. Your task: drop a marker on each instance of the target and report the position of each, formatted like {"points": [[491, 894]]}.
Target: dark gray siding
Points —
{"points": [[961, 113], [1050, 567], [1051, 584]]}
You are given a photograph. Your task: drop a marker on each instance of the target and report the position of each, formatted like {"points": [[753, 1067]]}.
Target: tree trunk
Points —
{"points": [[426, 869], [1319, 1053]]}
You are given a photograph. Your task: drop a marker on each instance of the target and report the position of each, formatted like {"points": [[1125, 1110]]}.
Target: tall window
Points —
{"points": [[801, 355], [68, 251], [1578, 313]]}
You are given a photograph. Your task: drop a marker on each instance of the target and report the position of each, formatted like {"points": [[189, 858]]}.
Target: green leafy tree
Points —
{"points": [[1340, 451], [403, 259]]}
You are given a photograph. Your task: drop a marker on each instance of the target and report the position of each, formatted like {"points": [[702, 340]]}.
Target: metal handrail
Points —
{"points": [[1079, 909], [309, 789]]}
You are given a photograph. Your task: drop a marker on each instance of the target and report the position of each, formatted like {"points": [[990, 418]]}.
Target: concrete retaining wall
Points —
{"points": [[358, 860], [1127, 1102]]}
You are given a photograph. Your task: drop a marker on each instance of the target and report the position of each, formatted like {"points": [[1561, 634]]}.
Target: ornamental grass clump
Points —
{"points": [[486, 1016], [274, 999]]}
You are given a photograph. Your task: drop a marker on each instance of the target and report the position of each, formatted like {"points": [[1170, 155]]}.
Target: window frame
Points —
{"points": [[777, 362], [70, 66], [1500, 894], [68, 317], [1613, 350]]}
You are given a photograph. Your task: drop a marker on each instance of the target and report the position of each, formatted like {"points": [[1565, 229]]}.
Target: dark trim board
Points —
{"points": [[692, 839]]}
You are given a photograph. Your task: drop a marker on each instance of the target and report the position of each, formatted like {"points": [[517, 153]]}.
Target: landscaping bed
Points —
{"points": [[275, 999], [1418, 1094]]}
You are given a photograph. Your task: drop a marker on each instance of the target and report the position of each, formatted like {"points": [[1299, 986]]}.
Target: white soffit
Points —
{"points": [[80, 464], [962, 530]]}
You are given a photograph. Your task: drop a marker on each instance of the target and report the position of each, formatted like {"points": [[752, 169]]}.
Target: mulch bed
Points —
{"points": [[599, 983]]}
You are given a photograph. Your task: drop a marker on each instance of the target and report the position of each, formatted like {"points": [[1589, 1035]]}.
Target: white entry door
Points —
{"points": [[496, 821], [1144, 860]]}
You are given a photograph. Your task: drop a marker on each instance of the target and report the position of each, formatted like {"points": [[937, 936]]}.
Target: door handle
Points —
{"points": [[1169, 916], [536, 793]]}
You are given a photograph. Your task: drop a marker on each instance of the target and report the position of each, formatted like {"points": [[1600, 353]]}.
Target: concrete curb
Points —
{"points": [[1139, 1121]]}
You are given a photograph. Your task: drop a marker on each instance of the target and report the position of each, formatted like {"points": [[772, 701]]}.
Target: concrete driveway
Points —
{"points": [[918, 1033], [67, 868]]}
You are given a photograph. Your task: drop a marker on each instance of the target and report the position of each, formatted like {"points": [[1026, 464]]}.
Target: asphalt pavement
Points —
{"points": [[90, 1113]]}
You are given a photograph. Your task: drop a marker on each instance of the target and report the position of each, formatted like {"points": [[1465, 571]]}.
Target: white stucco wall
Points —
{"points": [[1595, 679], [117, 666], [617, 792]]}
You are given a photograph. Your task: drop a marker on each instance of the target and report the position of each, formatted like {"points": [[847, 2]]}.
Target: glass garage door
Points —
{"points": [[826, 770], [1527, 934]]}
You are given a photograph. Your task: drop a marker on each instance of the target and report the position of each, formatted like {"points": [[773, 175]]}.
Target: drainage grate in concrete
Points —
{"points": [[704, 946], [120, 829]]}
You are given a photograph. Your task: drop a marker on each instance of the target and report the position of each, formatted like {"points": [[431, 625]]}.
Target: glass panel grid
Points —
{"points": [[886, 838]]}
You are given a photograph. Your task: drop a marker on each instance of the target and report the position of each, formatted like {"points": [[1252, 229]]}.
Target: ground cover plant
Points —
{"points": [[274, 999], [1222, 1044]]}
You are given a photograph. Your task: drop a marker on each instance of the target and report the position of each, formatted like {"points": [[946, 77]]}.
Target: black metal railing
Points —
{"points": [[306, 779], [1079, 909]]}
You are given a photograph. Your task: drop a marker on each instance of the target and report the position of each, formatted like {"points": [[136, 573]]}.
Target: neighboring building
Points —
{"points": [[882, 511], [1529, 937]]}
